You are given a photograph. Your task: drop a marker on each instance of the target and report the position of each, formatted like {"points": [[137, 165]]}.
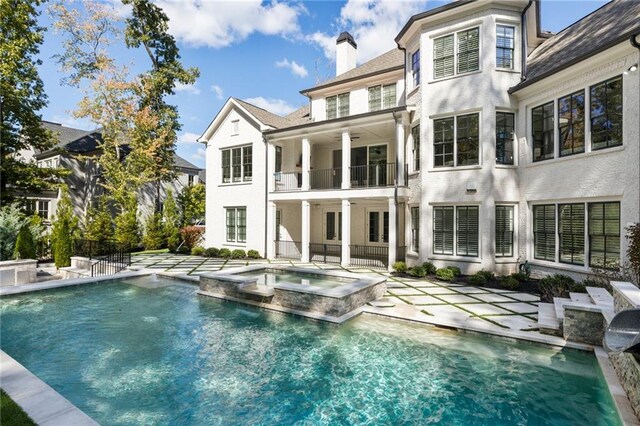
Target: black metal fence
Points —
{"points": [[325, 179], [371, 256], [44, 252], [112, 263], [373, 175], [287, 181], [288, 249], [112, 257], [326, 253]]}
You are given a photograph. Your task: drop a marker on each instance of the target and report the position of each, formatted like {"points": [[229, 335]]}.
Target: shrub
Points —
{"points": [[510, 283], [429, 268], [171, 222], [65, 227], [400, 267], [445, 274], [478, 279], [225, 253], [558, 286], [238, 254], [25, 246], [520, 276], [488, 275], [128, 228], [191, 236], [183, 250], [417, 271], [154, 236], [455, 270], [11, 220], [99, 224], [254, 254], [197, 251], [212, 252]]}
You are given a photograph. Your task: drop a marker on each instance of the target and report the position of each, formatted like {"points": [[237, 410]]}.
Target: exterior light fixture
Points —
{"points": [[632, 68]]}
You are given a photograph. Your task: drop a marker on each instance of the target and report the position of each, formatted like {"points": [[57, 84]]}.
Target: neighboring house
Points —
{"points": [[480, 142], [77, 151]]}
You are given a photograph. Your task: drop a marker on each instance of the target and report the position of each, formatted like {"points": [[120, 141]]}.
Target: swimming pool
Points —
{"points": [[269, 277], [157, 354]]}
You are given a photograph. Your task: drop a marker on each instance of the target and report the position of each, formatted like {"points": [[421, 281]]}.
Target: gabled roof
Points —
{"points": [[428, 13], [183, 164], [389, 61], [264, 116], [613, 23], [300, 116]]}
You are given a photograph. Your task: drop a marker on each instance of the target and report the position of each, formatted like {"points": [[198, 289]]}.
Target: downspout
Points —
{"points": [[266, 193], [395, 184], [634, 42], [523, 60]]}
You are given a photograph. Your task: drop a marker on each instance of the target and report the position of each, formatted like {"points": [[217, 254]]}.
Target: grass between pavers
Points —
{"points": [[11, 414], [159, 251]]}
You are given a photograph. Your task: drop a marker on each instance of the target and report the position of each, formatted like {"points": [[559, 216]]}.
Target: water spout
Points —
{"points": [[154, 277]]}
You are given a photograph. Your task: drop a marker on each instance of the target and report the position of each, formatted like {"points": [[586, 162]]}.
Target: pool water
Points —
{"points": [[271, 277], [129, 354]]}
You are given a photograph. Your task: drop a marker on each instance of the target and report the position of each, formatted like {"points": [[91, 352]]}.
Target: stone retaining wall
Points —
{"points": [[16, 272], [583, 324]]}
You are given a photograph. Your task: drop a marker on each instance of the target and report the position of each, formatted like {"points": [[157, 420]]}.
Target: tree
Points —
{"points": [[21, 97], [127, 225], [192, 203], [99, 223], [65, 230], [11, 220], [25, 246], [171, 222], [154, 235]]}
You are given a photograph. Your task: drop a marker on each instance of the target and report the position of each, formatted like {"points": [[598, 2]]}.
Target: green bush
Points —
{"points": [[238, 254], [429, 268], [478, 279], [400, 267], [154, 236], [65, 227], [417, 271], [510, 283], [456, 271], [558, 285], [521, 277], [254, 254], [25, 246], [488, 275], [184, 250], [99, 224], [445, 274], [11, 221], [128, 228], [171, 222], [225, 253], [197, 251], [212, 252]]}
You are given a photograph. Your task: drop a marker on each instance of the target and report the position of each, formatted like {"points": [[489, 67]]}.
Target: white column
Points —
{"points": [[271, 230], [346, 233], [400, 151], [393, 237], [306, 229], [271, 166], [346, 160], [306, 163]]}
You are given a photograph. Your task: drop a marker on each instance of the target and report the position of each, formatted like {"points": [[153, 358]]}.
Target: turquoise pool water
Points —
{"points": [[129, 355]]}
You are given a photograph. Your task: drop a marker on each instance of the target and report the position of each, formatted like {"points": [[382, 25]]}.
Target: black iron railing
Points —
{"points": [[44, 253], [112, 263], [325, 178], [112, 257], [373, 175], [371, 256], [326, 253], [96, 249], [288, 249], [287, 181]]}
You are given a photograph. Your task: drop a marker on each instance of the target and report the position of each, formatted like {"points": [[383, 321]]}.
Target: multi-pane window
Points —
{"points": [[37, 207], [606, 114], [343, 105], [443, 142], [544, 232], [467, 231], [468, 50], [467, 139], [237, 164], [415, 229], [415, 136], [382, 97], [571, 123], [604, 234], [571, 233], [505, 46], [377, 228], [236, 223], [443, 56], [542, 123], [337, 105], [504, 231], [332, 107], [278, 159], [415, 68], [443, 230], [504, 137]]}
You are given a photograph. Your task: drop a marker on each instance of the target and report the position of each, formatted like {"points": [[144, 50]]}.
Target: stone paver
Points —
{"points": [[457, 298], [423, 300], [484, 309], [492, 298], [521, 308]]}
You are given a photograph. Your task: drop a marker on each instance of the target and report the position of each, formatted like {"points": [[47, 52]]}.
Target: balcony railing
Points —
{"points": [[325, 179], [371, 256], [288, 181], [373, 175], [326, 253]]}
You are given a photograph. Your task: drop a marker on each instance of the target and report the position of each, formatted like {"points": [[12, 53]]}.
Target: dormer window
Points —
{"points": [[382, 97], [337, 105]]}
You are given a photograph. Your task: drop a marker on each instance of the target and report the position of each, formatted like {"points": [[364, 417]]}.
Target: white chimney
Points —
{"points": [[346, 50]]}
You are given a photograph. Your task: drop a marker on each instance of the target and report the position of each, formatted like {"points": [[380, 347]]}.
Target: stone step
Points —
{"points": [[558, 303], [580, 298], [70, 272], [547, 320], [600, 297]]}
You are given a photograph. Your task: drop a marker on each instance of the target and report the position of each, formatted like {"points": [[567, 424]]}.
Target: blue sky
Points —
{"points": [[263, 52]]}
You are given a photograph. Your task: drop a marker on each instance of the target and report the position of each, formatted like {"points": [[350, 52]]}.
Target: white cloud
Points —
{"points": [[373, 23], [296, 69], [192, 89], [218, 91], [276, 106], [199, 155], [222, 23], [188, 138]]}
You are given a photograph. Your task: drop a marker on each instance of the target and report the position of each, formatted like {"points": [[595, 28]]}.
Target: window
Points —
{"points": [[278, 159], [443, 230], [337, 106], [504, 46], [504, 231], [504, 137], [382, 97], [235, 124], [604, 234], [415, 229], [571, 123], [467, 139], [571, 232], [468, 50], [443, 57], [330, 231], [606, 114], [415, 136], [465, 134], [542, 124], [467, 231], [377, 228], [236, 224], [190, 180], [544, 232], [415, 68], [37, 207], [237, 164]]}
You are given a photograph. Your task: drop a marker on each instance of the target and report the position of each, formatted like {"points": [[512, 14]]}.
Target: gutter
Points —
{"points": [[634, 42], [266, 193], [524, 37]]}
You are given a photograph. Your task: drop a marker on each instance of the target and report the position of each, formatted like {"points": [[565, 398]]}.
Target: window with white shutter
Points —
{"points": [[604, 234], [468, 50], [443, 56], [571, 232]]}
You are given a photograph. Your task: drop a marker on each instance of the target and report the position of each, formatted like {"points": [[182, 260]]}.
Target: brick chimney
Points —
{"points": [[346, 51]]}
